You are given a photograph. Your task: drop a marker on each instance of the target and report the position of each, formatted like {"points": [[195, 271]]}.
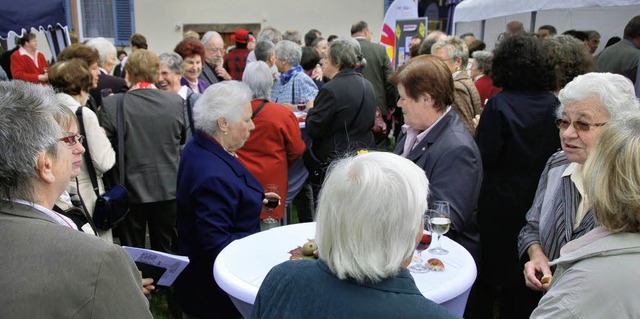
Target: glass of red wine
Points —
{"points": [[272, 203], [301, 106], [417, 264]]}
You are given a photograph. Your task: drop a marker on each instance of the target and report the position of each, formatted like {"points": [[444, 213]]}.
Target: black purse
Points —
{"points": [[112, 206]]}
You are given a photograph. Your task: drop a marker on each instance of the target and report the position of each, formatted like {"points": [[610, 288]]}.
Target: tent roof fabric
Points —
{"points": [[26, 14], [477, 10]]}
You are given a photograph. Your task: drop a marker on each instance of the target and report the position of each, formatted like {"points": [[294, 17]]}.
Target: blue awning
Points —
{"points": [[19, 15]]}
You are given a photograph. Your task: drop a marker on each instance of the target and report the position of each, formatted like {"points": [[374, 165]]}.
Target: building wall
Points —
{"points": [[163, 27]]}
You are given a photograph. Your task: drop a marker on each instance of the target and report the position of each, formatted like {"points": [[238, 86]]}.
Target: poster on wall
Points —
{"points": [[399, 9], [406, 29]]}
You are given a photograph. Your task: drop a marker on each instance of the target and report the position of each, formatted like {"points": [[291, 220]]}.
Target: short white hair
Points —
{"points": [[221, 100], [615, 93], [369, 214], [104, 48], [257, 75]]}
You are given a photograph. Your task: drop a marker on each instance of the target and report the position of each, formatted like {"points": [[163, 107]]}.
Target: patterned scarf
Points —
{"points": [[285, 77]]}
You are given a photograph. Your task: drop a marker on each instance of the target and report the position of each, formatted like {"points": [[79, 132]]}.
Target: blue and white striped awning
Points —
{"points": [[18, 17]]}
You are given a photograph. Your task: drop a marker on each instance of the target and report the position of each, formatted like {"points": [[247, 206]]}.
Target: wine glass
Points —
{"points": [[301, 106], [417, 265], [440, 223], [272, 203]]}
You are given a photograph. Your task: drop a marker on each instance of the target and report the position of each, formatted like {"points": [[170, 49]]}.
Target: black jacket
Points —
{"points": [[342, 117]]}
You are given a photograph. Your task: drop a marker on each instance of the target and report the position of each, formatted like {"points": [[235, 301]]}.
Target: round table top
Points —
{"points": [[242, 266]]}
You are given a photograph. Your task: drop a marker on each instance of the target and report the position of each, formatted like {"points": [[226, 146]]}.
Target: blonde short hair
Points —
{"points": [[612, 176]]}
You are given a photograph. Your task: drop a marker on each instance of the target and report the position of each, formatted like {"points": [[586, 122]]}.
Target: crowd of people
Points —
{"points": [[533, 144]]}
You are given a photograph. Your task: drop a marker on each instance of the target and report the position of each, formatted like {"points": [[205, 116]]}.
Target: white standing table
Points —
{"points": [[242, 266]]}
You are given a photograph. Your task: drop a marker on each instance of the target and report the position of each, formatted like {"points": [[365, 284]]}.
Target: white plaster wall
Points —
{"points": [[157, 19]]}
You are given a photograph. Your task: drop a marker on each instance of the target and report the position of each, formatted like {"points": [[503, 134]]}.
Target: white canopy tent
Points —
{"points": [[488, 18]]}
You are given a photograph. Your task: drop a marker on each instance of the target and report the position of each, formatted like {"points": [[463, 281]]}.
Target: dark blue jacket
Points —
{"points": [[450, 158], [218, 201]]}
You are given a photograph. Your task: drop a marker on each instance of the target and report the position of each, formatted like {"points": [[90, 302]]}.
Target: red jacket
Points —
{"points": [[23, 67], [272, 146], [485, 88]]}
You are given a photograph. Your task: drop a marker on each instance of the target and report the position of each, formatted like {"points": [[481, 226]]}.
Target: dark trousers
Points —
{"points": [[160, 217], [304, 202]]}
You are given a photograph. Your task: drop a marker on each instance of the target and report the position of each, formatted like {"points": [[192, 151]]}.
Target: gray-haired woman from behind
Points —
{"points": [[363, 276], [344, 110]]}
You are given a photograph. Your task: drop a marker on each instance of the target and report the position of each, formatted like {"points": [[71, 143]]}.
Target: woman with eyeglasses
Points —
{"points": [[560, 211], [72, 79]]}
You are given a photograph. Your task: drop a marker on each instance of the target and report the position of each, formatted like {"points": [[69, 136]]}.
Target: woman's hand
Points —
{"points": [[268, 196], [536, 268]]}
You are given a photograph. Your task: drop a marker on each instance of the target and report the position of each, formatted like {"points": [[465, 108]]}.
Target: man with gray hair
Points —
{"points": [[107, 60], [267, 33], [77, 274], [212, 70]]}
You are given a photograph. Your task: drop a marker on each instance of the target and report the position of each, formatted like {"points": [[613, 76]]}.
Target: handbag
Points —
{"points": [[112, 206]]}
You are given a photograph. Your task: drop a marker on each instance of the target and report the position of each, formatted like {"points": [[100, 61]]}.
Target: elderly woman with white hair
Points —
{"points": [[369, 223], [454, 53], [561, 209], [293, 87], [218, 199], [604, 262], [276, 142]]}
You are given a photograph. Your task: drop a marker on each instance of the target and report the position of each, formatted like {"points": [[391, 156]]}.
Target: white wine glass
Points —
{"points": [[272, 203], [440, 223], [417, 265]]}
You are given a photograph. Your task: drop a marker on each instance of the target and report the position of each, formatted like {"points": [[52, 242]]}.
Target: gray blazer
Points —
{"points": [[154, 130], [378, 71], [452, 162], [551, 216], [620, 58], [51, 271]]}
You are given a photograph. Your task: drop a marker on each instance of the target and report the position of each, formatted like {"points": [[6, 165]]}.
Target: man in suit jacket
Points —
{"points": [[212, 70], [52, 270], [107, 61], [624, 56], [378, 70]]}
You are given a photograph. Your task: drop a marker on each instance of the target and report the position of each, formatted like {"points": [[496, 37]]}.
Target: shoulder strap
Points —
{"points": [[258, 109], [364, 91], [190, 114], [87, 153], [293, 89], [120, 130]]}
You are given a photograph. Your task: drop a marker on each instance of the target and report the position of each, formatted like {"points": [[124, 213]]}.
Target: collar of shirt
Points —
{"points": [[62, 220], [33, 57], [478, 77], [184, 91], [417, 135]]}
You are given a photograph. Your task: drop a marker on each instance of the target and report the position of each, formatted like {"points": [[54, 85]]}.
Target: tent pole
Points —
{"points": [[534, 14]]}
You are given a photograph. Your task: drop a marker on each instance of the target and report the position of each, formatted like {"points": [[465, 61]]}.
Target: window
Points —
{"points": [[112, 19]]}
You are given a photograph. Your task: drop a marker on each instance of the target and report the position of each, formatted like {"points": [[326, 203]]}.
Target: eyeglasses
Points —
{"points": [[72, 139], [580, 126]]}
